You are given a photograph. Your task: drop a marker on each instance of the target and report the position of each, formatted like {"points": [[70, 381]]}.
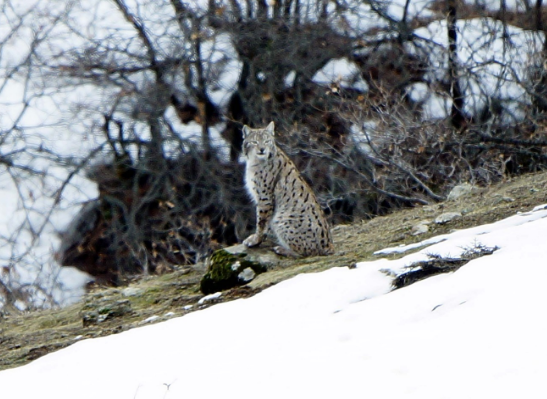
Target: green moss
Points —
{"points": [[224, 271]]}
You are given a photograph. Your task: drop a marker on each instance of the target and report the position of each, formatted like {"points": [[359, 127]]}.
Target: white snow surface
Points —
{"points": [[474, 333]]}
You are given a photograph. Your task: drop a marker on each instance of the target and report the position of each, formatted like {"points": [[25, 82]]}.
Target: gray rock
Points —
{"points": [[132, 291], [247, 274], [447, 217], [498, 198], [104, 309], [461, 190], [420, 229], [263, 255]]}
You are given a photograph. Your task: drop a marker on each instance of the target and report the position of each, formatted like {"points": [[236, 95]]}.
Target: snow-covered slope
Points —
{"points": [[475, 333]]}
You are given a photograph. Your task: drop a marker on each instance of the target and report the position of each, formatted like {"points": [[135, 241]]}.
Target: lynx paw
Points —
{"points": [[284, 252], [253, 240]]}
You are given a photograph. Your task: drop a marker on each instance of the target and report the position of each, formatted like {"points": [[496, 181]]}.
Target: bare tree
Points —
{"points": [[34, 174], [456, 113], [134, 110]]}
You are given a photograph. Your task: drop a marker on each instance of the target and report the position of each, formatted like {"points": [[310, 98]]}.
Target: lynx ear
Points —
{"points": [[246, 130], [271, 128]]}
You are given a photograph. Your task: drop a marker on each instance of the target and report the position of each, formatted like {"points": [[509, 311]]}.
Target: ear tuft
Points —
{"points": [[271, 128]]}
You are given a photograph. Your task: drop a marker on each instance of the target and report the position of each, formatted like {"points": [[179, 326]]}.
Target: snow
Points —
{"points": [[224, 68], [474, 234], [362, 18], [415, 9], [496, 5], [474, 333], [495, 63], [34, 124], [65, 115], [150, 319], [41, 111], [209, 297], [340, 71]]}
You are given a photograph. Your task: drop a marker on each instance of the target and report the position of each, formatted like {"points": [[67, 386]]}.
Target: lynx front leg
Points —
{"points": [[263, 215]]}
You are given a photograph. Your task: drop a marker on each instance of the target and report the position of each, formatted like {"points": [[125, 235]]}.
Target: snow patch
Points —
{"points": [[209, 297], [341, 72]]}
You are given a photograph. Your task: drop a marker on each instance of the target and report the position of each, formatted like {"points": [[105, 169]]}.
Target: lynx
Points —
{"points": [[284, 201]]}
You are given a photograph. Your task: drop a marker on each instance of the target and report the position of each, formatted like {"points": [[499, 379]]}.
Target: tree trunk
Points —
{"points": [[457, 118]]}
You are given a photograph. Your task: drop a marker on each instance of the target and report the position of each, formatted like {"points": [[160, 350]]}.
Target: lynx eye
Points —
{"points": [[252, 142]]}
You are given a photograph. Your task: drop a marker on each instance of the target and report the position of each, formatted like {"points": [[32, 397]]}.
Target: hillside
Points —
{"points": [[26, 337], [115, 109]]}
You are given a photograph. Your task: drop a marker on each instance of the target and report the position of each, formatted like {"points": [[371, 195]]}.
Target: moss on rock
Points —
{"points": [[95, 313], [228, 270]]}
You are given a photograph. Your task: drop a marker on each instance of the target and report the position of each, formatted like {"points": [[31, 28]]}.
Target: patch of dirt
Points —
{"points": [[28, 336]]}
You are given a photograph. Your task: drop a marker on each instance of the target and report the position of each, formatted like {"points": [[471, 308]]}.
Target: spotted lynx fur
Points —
{"points": [[284, 201]]}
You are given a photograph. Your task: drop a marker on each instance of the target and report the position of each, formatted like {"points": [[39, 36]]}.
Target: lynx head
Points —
{"points": [[259, 144]]}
